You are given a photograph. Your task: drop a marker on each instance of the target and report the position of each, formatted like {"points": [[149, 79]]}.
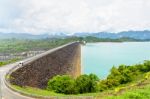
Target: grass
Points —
{"points": [[36, 91], [135, 93], [8, 61], [132, 93], [139, 90], [42, 92]]}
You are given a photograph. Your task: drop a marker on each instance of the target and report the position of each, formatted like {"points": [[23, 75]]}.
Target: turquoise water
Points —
{"points": [[98, 58]]}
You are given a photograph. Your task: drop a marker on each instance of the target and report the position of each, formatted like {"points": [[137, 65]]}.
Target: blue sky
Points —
{"points": [[70, 16]]}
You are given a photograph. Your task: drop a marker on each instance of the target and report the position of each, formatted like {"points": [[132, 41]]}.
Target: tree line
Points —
{"points": [[91, 83], [18, 45]]}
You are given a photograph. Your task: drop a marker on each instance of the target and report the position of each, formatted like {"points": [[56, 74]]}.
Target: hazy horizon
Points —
{"points": [[72, 33]]}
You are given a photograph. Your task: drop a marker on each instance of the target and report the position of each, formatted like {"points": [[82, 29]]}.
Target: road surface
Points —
{"points": [[6, 93]]}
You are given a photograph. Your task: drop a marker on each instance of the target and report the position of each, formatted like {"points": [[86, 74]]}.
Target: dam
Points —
{"points": [[65, 60]]}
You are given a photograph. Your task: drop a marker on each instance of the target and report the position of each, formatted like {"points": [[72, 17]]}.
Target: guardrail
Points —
{"points": [[27, 61]]}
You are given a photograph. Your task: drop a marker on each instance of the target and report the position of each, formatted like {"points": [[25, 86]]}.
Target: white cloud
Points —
{"points": [[69, 16]]}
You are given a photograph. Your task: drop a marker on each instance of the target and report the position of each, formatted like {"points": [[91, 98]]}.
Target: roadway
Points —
{"points": [[6, 93]]}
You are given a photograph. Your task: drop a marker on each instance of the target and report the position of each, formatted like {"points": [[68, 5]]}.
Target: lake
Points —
{"points": [[98, 58]]}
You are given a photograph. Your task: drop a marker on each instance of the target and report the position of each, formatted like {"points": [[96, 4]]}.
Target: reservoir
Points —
{"points": [[98, 58]]}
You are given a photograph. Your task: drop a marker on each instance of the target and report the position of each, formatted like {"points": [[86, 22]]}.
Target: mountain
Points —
{"points": [[143, 35], [22, 36], [31, 36], [135, 34]]}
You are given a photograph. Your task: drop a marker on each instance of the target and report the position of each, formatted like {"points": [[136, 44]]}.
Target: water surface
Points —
{"points": [[98, 58]]}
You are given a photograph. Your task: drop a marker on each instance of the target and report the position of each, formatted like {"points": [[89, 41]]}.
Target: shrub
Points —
{"points": [[93, 83], [121, 75], [82, 83], [67, 85], [87, 83], [90, 83], [62, 84]]}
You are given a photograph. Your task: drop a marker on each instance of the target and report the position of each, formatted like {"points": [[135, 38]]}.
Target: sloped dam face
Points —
{"points": [[36, 73]]}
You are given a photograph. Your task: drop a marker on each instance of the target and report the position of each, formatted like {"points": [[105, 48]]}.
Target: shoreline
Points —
{"points": [[118, 42]]}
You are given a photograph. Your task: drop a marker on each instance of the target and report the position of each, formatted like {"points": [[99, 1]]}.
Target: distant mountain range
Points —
{"points": [[22, 36], [30, 36], [143, 35]]}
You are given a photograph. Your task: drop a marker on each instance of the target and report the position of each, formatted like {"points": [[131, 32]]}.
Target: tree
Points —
{"points": [[87, 83], [93, 83], [82, 83], [62, 84]]}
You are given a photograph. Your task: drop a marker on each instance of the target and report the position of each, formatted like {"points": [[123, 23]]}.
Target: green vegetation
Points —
{"points": [[95, 39], [18, 45], [136, 93], [138, 90], [67, 85], [90, 83], [124, 74], [124, 82], [36, 91], [62, 84], [41, 92], [8, 61], [87, 83]]}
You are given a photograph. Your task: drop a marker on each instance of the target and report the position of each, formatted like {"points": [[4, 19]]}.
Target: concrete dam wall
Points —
{"points": [[36, 73]]}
